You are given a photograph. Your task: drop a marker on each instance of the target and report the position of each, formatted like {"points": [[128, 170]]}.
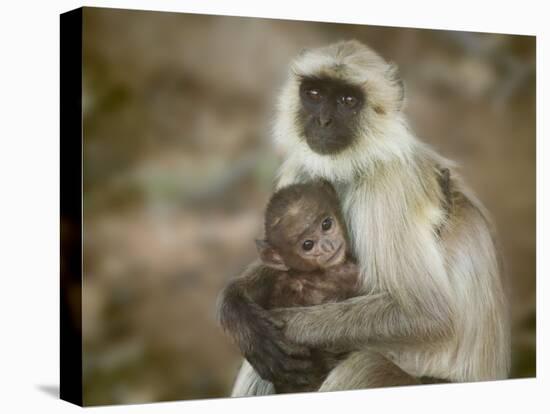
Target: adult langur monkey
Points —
{"points": [[432, 302]]}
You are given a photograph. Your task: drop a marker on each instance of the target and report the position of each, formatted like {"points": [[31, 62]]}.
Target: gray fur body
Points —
{"points": [[433, 302]]}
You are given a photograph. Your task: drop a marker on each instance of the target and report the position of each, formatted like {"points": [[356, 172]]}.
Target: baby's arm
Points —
{"points": [[259, 339]]}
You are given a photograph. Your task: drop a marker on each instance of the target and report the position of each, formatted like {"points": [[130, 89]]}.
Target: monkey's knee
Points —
{"points": [[366, 369], [249, 383]]}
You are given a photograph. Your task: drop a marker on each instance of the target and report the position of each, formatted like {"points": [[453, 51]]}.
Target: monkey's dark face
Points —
{"points": [[329, 115], [314, 238]]}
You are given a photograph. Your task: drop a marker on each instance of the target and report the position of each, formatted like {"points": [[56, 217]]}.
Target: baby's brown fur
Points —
{"points": [[298, 288], [300, 280]]}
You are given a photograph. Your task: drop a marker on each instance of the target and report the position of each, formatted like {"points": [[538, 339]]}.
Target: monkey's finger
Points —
{"points": [[297, 365], [266, 366], [293, 350], [280, 364], [296, 379], [301, 380], [289, 365], [271, 352], [277, 323], [288, 377]]}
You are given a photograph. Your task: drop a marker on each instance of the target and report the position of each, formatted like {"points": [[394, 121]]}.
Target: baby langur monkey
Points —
{"points": [[307, 242], [307, 262]]}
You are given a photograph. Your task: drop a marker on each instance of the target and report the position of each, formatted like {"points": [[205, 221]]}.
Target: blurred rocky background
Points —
{"points": [[178, 167]]}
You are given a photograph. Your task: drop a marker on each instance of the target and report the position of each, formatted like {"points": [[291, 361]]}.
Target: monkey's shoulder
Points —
{"points": [[465, 214]]}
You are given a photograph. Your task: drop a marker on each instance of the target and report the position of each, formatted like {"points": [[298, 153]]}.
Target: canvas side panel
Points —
{"points": [[71, 206]]}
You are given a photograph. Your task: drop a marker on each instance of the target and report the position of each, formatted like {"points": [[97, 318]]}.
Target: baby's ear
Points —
{"points": [[269, 256]]}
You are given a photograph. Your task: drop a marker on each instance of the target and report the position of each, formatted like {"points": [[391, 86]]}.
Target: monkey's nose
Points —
{"points": [[325, 121]]}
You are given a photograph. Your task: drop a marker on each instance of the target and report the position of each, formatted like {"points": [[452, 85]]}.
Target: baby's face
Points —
{"points": [[314, 237]]}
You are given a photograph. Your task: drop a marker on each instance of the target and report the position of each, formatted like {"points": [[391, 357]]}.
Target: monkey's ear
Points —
{"points": [[269, 256], [395, 77]]}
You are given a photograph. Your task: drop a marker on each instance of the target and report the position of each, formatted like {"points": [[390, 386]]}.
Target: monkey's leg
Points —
{"points": [[249, 383], [366, 369]]}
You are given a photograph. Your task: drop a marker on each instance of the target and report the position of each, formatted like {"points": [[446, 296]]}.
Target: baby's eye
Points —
{"points": [[308, 245], [326, 224]]}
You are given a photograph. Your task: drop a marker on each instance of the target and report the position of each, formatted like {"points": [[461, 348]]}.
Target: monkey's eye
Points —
{"points": [[326, 224], [308, 245], [349, 101], [313, 94]]}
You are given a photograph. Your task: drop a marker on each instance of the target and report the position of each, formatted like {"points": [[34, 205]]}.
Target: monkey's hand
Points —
{"points": [[262, 341], [292, 321], [272, 355]]}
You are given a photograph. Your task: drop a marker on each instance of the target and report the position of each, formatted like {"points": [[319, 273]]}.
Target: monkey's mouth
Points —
{"points": [[336, 257], [330, 145], [327, 140]]}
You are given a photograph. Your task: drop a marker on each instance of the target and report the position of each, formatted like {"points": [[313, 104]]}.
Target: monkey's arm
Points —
{"points": [[260, 340], [412, 299], [420, 304], [374, 318]]}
